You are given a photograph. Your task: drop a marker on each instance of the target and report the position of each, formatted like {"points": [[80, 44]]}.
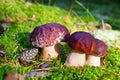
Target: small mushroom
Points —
{"points": [[3, 26], [105, 26], [47, 36], [101, 50], [81, 43], [3, 52]]}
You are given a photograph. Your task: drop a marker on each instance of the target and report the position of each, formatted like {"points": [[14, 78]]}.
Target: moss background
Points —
{"points": [[24, 16]]}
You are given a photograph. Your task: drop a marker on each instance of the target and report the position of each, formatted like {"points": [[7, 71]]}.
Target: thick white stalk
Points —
{"points": [[50, 52], [75, 58], [93, 60]]}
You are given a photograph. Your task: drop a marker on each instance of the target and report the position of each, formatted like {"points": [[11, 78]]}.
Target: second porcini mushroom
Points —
{"points": [[47, 36], [81, 43], [101, 50]]}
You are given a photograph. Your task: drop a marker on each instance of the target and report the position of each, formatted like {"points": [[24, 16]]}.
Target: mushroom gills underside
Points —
{"points": [[75, 59], [93, 60]]}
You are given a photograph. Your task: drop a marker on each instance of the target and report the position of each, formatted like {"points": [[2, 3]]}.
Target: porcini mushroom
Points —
{"points": [[81, 43], [47, 36], [101, 50]]}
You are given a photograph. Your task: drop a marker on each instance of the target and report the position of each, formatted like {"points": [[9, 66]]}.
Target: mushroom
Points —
{"points": [[47, 36], [3, 52], [81, 43], [101, 50]]}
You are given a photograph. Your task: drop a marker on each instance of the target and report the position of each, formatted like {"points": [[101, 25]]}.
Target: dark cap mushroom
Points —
{"points": [[47, 36], [101, 50], [81, 43]]}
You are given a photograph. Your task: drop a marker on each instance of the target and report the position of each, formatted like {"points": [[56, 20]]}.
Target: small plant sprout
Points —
{"points": [[101, 51], [47, 36], [81, 43]]}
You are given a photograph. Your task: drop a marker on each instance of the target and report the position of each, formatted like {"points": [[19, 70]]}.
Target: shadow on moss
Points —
{"points": [[23, 39]]}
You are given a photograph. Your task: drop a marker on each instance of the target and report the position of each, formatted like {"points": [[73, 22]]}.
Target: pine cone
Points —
{"points": [[28, 55]]}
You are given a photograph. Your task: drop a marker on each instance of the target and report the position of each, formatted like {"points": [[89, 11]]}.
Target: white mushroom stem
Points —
{"points": [[50, 52], [75, 58], [93, 60]]}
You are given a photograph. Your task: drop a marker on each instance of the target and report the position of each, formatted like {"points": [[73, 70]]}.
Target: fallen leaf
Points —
{"points": [[11, 75]]}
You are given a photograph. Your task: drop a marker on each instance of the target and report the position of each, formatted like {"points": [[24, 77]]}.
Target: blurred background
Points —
{"points": [[96, 10]]}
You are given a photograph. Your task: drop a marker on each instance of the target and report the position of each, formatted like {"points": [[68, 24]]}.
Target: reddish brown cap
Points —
{"points": [[48, 35], [101, 48], [82, 41]]}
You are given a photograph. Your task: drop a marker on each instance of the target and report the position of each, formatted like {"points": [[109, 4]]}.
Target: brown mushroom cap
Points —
{"points": [[101, 48], [48, 35], [82, 41]]}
